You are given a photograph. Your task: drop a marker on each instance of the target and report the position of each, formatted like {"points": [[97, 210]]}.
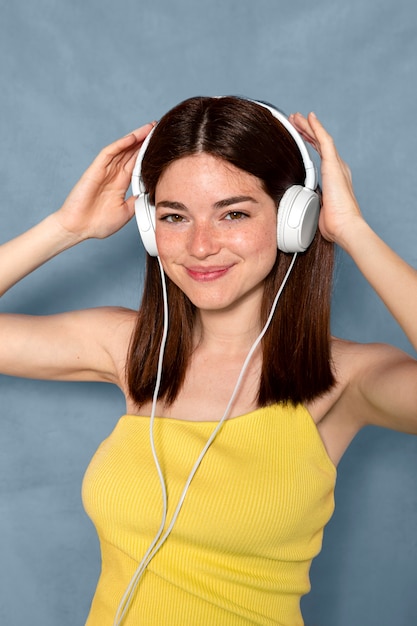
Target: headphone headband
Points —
{"points": [[311, 172], [137, 183]]}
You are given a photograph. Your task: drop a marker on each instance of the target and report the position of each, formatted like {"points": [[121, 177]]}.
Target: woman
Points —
{"points": [[243, 506]]}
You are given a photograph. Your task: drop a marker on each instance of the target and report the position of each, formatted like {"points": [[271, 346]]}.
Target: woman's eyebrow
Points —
{"points": [[220, 204], [233, 200], [171, 204]]}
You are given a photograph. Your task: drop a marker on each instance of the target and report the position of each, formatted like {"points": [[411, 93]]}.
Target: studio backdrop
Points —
{"points": [[75, 75]]}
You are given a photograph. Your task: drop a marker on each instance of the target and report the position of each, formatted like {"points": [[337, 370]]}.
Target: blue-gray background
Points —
{"points": [[77, 74]]}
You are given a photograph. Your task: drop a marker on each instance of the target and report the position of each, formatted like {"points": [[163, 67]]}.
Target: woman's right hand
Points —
{"points": [[96, 207]]}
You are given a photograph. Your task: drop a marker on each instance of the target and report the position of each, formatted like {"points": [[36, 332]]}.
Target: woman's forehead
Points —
{"points": [[204, 169]]}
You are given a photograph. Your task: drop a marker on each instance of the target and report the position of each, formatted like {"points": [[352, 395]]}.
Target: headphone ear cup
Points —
{"points": [[298, 215], [145, 218]]}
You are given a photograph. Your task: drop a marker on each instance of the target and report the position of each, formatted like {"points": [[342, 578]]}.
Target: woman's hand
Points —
{"points": [[340, 209], [96, 206]]}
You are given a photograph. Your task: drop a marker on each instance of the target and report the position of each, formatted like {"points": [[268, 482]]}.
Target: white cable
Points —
{"points": [[159, 540], [127, 596]]}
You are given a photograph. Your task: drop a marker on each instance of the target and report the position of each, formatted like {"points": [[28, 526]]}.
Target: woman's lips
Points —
{"points": [[205, 274]]}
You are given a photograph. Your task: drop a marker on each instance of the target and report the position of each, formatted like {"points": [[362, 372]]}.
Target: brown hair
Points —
{"points": [[296, 348]]}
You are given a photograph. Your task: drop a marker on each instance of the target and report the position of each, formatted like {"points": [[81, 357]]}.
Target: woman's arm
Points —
{"points": [[383, 386], [22, 255], [341, 221], [77, 345], [95, 208]]}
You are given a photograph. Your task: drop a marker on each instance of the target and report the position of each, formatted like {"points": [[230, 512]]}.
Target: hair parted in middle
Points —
{"points": [[296, 348]]}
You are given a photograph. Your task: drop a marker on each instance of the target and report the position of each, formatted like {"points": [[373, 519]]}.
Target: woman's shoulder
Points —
{"points": [[350, 358], [343, 410], [369, 376], [109, 321], [116, 322], [351, 363], [118, 314], [114, 327]]}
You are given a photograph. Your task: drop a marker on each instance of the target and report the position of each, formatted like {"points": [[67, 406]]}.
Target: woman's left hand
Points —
{"points": [[340, 209], [382, 389]]}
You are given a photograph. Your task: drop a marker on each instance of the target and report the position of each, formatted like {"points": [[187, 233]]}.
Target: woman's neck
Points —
{"points": [[229, 331]]}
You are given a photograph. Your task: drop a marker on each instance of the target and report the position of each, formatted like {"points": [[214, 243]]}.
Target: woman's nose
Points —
{"points": [[203, 240]]}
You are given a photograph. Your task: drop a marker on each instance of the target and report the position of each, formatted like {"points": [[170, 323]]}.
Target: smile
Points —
{"points": [[206, 274]]}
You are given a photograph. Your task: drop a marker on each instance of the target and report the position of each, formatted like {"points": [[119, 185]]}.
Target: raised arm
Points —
{"points": [[72, 345], [383, 389], [341, 221], [95, 208]]}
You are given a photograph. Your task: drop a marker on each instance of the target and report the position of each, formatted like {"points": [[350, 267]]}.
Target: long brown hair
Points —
{"points": [[296, 348]]}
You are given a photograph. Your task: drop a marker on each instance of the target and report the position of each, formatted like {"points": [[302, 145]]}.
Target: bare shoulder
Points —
{"points": [[114, 317], [106, 333], [352, 359], [108, 322], [375, 384], [115, 326]]}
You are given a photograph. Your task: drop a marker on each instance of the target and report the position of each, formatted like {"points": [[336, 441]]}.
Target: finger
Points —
{"points": [[131, 141], [130, 156], [130, 206], [302, 125], [324, 139], [327, 148], [118, 155], [143, 131], [300, 121], [129, 161], [325, 145]]}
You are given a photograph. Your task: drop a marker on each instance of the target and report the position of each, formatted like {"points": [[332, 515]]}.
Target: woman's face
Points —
{"points": [[215, 231]]}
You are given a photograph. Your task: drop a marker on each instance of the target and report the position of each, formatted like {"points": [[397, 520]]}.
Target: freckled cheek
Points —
{"points": [[168, 244], [266, 248], [262, 241], [255, 236]]}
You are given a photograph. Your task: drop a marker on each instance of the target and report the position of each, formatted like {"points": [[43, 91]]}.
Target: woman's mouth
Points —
{"points": [[206, 274]]}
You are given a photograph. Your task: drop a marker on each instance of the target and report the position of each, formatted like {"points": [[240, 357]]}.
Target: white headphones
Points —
{"points": [[298, 210]]}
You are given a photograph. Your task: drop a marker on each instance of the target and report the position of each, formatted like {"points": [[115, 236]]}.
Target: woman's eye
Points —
{"points": [[174, 218], [235, 215]]}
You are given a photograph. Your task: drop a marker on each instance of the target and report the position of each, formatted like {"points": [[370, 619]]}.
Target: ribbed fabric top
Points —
{"points": [[253, 518]]}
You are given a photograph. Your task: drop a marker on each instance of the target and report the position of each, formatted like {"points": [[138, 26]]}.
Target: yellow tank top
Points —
{"points": [[253, 518]]}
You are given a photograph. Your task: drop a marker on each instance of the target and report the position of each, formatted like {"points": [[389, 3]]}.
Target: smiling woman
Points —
{"points": [[235, 147], [207, 242], [211, 494]]}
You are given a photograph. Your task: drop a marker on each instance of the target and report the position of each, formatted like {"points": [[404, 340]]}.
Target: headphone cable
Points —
{"points": [[160, 539]]}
